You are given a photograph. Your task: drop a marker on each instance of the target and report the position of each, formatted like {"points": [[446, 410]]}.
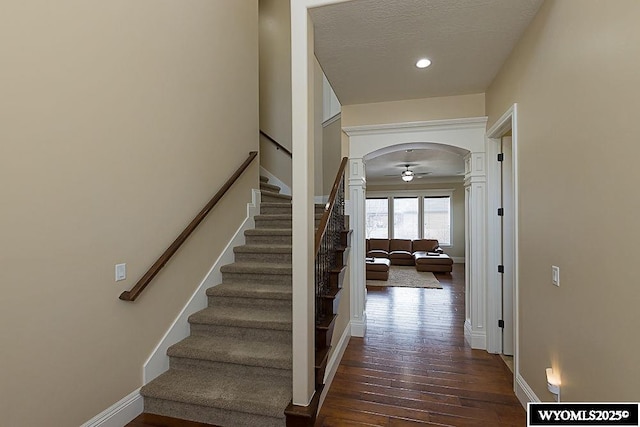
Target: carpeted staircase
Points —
{"points": [[235, 367]]}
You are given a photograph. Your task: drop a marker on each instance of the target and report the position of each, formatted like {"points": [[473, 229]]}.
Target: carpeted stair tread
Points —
{"points": [[244, 317], [264, 178], [268, 354], [257, 268], [269, 187], [267, 396], [268, 231], [264, 248], [281, 216], [318, 206], [251, 290]]}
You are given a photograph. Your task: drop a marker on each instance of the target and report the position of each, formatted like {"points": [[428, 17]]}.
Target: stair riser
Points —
{"points": [[208, 415], [228, 368], [275, 304], [273, 223], [257, 334], [272, 258], [283, 209], [324, 337], [274, 239], [269, 197], [279, 279], [277, 223]]}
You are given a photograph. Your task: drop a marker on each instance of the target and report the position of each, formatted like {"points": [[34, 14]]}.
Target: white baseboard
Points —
{"points": [[359, 327], [120, 413], [158, 361], [334, 362], [524, 393], [477, 340], [458, 259], [274, 180]]}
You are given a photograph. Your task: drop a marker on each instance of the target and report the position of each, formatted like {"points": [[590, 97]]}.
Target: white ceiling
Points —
{"points": [[440, 165], [368, 50]]}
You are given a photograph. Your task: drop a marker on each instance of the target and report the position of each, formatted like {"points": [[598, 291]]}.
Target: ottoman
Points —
{"points": [[433, 262], [377, 269]]}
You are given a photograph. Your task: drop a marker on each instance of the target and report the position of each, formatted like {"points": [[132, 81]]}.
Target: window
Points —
{"points": [[405, 218], [437, 219], [421, 215], [377, 218]]}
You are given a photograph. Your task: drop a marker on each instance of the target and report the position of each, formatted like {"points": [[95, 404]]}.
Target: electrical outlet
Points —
{"points": [[555, 275], [121, 272]]}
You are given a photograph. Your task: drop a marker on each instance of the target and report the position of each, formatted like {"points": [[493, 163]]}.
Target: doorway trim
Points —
{"points": [[468, 134], [508, 121]]}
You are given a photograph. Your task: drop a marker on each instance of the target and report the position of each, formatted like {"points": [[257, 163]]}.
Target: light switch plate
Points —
{"points": [[555, 275], [121, 272]]}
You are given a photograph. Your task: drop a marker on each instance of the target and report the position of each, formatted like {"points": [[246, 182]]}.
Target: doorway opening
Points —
{"points": [[503, 238]]}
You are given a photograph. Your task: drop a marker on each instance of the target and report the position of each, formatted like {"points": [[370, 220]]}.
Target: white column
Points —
{"points": [[476, 190], [303, 197], [357, 188]]}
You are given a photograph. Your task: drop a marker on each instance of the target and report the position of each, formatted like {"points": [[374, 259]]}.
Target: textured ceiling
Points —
{"points": [[368, 48], [439, 164]]}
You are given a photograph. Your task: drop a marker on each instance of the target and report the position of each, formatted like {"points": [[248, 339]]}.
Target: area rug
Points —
{"points": [[408, 277]]}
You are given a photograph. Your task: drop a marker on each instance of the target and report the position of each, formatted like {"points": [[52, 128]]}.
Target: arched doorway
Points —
{"points": [[466, 136]]}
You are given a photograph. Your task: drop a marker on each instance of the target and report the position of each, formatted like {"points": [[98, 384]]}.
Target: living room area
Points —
{"points": [[414, 217]]}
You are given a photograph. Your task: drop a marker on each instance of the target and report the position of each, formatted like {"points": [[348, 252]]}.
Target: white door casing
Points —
{"points": [[508, 121], [507, 247]]}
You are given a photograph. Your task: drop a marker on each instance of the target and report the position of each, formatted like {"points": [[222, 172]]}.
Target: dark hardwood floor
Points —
{"points": [[151, 420], [413, 367]]}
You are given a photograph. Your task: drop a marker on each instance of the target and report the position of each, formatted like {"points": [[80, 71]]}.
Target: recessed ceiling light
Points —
{"points": [[423, 63]]}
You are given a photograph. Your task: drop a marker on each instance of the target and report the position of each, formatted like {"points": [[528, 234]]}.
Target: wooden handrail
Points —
{"points": [[164, 258], [278, 145], [329, 206]]}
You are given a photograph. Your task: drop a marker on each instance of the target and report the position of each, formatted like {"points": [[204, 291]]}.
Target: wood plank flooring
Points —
{"points": [[413, 367], [152, 420]]}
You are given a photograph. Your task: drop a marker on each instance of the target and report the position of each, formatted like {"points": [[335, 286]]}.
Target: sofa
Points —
{"points": [[425, 254]]}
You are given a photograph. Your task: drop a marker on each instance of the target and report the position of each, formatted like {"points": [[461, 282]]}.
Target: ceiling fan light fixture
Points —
{"points": [[407, 176]]}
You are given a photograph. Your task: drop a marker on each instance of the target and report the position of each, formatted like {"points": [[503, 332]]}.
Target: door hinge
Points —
{"points": [[500, 323], [501, 269], [500, 157], [500, 211]]}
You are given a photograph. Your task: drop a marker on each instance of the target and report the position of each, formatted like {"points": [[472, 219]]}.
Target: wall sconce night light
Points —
{"points": [[553, 382]]}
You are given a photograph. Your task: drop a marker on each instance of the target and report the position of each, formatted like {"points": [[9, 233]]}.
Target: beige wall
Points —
{"points": [[576, 78], [413, 110], [120, 120], [457, 206], [275, 86], [331, 153]]}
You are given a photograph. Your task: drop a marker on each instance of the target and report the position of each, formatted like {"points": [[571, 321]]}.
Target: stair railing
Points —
{"points": [[276, 143], [173, 248], [328, 238]]}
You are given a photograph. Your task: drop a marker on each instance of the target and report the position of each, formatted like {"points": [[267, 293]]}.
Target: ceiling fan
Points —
{"points": [[407, 175]]}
